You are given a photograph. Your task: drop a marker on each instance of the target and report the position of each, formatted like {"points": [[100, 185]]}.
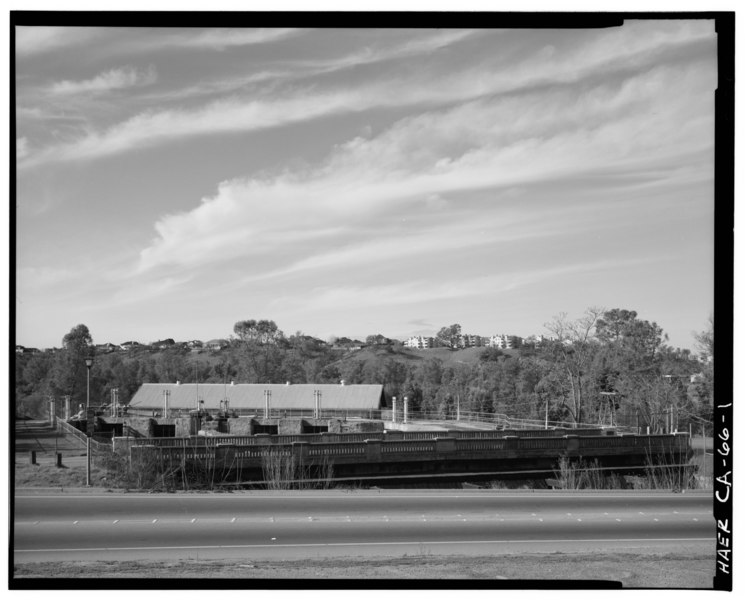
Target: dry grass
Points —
{"points": [[27, 475]]}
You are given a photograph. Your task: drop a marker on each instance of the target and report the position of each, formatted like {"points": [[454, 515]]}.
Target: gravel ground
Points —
{"points": [[679, 570]]}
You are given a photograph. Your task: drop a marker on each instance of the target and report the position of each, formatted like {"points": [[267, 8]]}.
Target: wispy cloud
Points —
{"points": [[111, 80], [443, 171], [262, 111], [476, 146], [423, 291], [421, 43], [284, 72], [21, 147], [38, 40], [220, 39]]}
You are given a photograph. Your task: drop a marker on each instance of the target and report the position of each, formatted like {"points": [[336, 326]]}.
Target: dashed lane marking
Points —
{"points": [[320, 545]]}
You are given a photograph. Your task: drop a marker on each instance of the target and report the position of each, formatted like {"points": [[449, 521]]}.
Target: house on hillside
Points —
{"points": [[470, 341], [292, 399], [163, 344], [217, 344], [420, 342], [505, 341], [106, 348], [130, 345], [24, 350]]}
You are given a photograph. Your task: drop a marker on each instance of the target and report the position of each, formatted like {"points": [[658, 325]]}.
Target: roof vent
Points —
{"points": [[178, 382], [232, 383], [287, 383], [342, 382]]}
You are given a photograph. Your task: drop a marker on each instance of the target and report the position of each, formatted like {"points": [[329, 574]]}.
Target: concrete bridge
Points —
{"points": [[391, 457]]}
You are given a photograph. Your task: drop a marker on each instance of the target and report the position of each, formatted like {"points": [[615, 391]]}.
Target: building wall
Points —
{"points": [[241, 426], [247, 425]]}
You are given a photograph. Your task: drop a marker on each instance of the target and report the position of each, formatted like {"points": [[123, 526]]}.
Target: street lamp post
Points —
{"points": [[672, 408], [88, 421], [610, 396]]}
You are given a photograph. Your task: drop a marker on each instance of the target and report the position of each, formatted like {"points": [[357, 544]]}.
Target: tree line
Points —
{"points": [[607, 366]]}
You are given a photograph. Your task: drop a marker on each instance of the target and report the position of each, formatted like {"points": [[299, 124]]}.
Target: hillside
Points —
{"points": [[408, 356]]}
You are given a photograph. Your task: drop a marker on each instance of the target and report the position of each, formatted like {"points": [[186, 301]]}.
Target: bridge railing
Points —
{"points": [[442, 447], [67, 429], [266, 439]]}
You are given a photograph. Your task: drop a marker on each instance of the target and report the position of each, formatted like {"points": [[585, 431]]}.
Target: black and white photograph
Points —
{"points": [[371, 300]]}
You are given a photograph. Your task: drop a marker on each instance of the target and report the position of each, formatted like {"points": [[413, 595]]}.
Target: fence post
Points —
{"points": [[373, 450], [300, 450], [444, 444], [32, 457]]}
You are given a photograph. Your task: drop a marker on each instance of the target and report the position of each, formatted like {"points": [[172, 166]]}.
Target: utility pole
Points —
{"points": [[114, 402], [89, 418]]}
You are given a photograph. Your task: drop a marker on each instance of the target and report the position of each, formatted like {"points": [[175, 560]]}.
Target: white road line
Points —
{"points": [[414, 542], [193, 520], [233, 520], [115, 522], [75, 522], [303, 497], [155, 520]]}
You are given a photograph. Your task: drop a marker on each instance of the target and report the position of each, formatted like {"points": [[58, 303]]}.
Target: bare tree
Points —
{"points": [[574, 351]]}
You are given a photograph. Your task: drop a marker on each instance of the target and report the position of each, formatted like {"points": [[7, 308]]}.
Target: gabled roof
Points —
{"points": [[251, 396]]}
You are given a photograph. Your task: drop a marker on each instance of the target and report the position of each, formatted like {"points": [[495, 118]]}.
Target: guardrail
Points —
{"points": [[68, 429], [266, 439], [383, 414]]}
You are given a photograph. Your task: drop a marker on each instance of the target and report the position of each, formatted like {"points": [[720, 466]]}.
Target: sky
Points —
{"points": [[171, 182]]}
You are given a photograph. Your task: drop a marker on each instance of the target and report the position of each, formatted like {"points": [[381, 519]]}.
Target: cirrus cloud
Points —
{"points": [[113, 79]]}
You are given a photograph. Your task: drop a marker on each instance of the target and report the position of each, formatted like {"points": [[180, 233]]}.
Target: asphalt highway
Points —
{"points": [[293, 525]]}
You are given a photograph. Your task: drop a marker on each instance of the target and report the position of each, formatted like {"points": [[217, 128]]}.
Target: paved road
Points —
{"points": [[266, 525]]}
